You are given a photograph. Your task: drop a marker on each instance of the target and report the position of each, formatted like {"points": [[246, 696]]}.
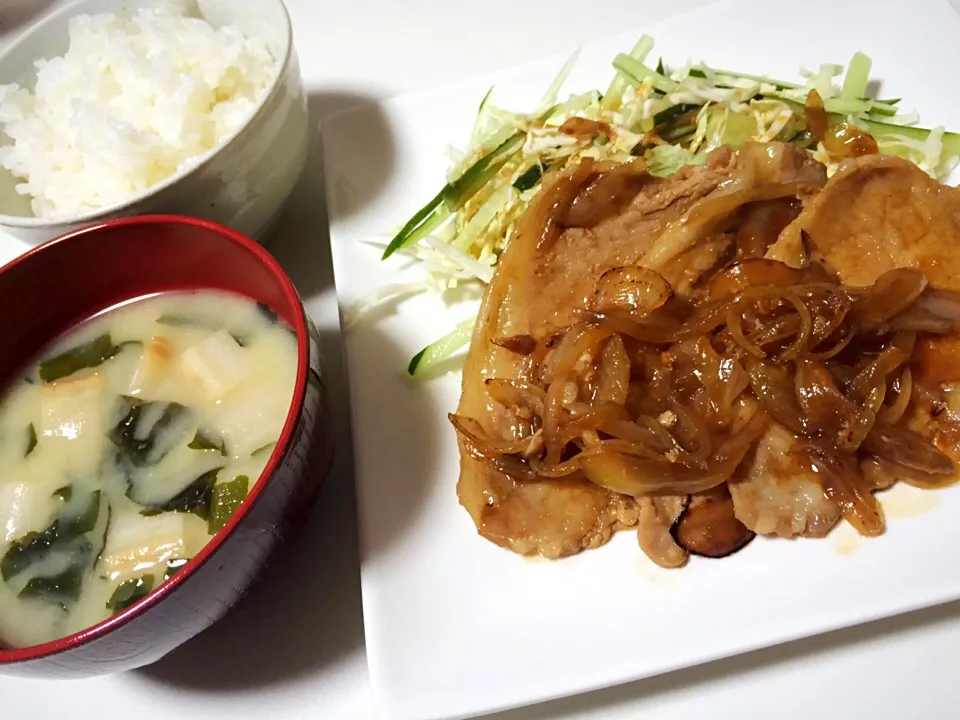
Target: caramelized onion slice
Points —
{"points": [[691, 432], [516, 393], [762, 304], [773, 388], [509, 465], [909, 449], [519, 344], [841, 481], [829, 305], [831, 413], [597, 417], [578, 340], [874, 375], [878, 475], [552, 417], [709, 528], [634, 290], [920, 319], [471, 432], [815, 115], [647, 438], [892, 293], [755, 272], [723, 378], [554, 470], [943, 303], [635, 476], [903, 387], [613, 382], [657, 331], [846, 140], [805, 332], [777, 331]]}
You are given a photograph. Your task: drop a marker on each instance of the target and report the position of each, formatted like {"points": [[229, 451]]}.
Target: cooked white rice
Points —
{"points": [[134, 100]]}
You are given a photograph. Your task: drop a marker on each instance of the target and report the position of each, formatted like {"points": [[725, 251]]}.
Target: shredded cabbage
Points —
{"points": [[669, 117], [667, 159]]}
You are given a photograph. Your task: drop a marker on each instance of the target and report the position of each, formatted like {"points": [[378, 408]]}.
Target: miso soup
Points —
{"points": [[127, 447]]}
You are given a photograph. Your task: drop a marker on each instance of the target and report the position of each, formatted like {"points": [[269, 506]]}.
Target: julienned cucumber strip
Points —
{"points": [[851, 99], [614, 92], [632, 70], [454, 194], [951, 140], [857, 77], [407, 232], [843, 106], [673, 111], [530, 177], [779, 84], [478, 123], [550, 96], [635, 72], [442, 348]]}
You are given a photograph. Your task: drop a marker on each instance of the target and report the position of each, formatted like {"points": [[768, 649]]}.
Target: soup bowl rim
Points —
{"points": [[15, 655]]}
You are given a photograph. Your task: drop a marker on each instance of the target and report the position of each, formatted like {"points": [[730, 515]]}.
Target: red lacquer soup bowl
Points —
{"points": [[53, 288]]}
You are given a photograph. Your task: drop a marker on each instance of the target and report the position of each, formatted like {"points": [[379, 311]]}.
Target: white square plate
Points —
{"points": [[456, 626]]}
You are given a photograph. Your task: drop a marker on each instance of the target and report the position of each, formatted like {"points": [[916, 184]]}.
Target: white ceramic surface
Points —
{"points": [[243, 183], [456, 626]]}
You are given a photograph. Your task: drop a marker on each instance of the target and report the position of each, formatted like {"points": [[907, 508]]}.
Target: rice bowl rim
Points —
{"points": [[100, 213]]}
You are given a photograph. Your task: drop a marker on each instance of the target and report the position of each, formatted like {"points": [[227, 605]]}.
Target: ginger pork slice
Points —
{"points": [[878, 213], [550, 267]]}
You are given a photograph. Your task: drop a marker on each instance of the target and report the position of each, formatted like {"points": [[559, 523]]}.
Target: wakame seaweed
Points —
{"points": [[225, 499], [268, 314], [31, 439], [263, 449], [195, 498], [174, 566], [83, 522], [206, 441], [62, 535], [64, 494], [89, 355], [188, 321], [124, 435], [106, 532], [129, 592], [31, 548], [61, 589]]}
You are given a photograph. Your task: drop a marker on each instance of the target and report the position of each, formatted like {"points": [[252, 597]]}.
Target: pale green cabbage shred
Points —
{"points": [[728, 110]]}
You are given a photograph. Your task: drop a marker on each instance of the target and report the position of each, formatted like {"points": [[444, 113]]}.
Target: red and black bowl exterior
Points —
{"points": [[54, 287]]}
